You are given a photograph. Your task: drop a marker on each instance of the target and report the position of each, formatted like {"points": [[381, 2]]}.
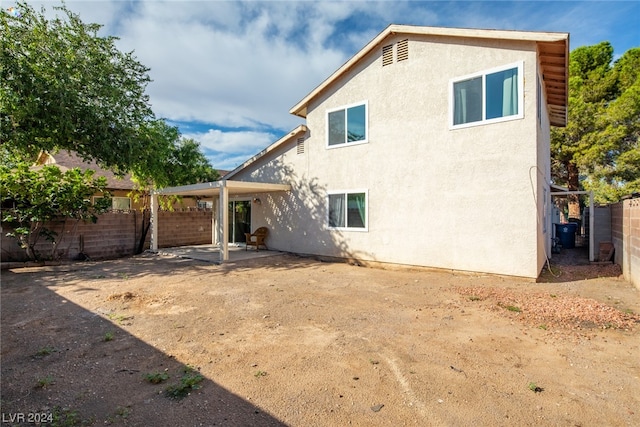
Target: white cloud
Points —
{"points": [[249, 70], [243, 65], [228, 142], [226, 150]]}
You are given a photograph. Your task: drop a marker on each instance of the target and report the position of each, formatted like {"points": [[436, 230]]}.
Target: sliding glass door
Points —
{"points": [[239, 220]]}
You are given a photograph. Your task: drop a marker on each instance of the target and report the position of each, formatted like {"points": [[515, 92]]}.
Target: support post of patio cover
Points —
{"points": [[223, 222], [214, 223], [154, 222]]}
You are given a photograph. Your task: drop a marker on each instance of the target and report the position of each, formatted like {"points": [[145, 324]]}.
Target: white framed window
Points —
{"points": [[490, 96], [347, 210], [121, 203], [347, 125], [118, 203]]}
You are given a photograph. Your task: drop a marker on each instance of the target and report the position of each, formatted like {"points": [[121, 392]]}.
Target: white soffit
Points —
{"points": [[213, 188]]}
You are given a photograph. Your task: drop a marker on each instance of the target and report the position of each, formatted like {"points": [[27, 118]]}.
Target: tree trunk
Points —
{"points": [[29, 241], [573, 184], [146, 223]]}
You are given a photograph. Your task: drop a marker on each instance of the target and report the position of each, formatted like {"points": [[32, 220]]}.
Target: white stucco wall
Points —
{"points": [[462, 199]]}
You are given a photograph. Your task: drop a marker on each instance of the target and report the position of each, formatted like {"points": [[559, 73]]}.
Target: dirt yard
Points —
{"points": [[162, 341]]}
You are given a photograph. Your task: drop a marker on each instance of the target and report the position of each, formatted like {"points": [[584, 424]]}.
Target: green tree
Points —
{"points": [[615, 165], [188, 165], [64, 87], [33, 197], [598, 149], [176, 161]]}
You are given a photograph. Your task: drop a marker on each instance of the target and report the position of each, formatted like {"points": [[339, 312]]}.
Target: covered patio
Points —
{"points": [[211, 253], [221, 190]]}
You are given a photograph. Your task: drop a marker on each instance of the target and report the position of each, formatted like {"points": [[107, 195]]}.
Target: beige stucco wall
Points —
{"points": [[463, 199], [543, 181]]}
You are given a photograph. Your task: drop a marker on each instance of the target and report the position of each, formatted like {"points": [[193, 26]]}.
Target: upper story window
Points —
{"points": [[347, 125], [348, 210], [490, 96]]}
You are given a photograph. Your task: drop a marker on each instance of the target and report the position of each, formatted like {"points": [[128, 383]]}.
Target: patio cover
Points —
{"points": [[221, 189]]}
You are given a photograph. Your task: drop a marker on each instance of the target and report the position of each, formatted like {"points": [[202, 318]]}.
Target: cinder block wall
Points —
{"points": [[113, 236], [625, 233], [116, 235], [617, 231], [184, 228], [602, 226]]}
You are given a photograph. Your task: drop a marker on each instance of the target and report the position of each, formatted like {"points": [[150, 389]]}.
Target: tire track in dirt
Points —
{"points": [[429, 417]]}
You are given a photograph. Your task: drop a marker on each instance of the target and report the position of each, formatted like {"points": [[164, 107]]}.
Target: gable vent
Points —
{"points": [[300, 146], [387, 55], [403, 50]]}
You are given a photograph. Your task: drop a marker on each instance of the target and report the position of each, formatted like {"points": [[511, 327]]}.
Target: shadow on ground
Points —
{"points": [[573, 264], [76, 367]]}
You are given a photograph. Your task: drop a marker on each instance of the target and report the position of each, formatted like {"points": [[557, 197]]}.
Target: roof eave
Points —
{"points": [[300, 109], [294, 133]]}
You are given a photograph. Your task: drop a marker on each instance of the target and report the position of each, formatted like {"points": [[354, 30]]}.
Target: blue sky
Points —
{"points": [[227, 72]]}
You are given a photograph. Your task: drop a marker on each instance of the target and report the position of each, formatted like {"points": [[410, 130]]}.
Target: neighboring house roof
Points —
{"points": [[553, 50], [68, 160], [300, 130]]}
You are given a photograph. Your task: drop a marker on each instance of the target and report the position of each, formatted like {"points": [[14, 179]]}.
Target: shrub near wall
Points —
{"points": [[112, 236], [116, 235]]}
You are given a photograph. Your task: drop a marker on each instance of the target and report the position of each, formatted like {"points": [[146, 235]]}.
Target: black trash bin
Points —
{"points": [[567, 234]]}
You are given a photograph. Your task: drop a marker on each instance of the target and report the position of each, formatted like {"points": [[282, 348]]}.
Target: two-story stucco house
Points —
{"points": [[430, 147]]}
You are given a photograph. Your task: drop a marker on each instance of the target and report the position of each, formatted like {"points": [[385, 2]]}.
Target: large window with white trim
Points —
{"points": [[347, 125], [489, 96], [347, 210]]}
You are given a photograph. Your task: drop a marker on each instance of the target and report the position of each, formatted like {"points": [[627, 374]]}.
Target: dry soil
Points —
{"points": [[291, 341]]}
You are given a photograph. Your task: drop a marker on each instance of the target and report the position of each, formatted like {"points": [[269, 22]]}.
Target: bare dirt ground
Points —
{"points": [[162, 341]]}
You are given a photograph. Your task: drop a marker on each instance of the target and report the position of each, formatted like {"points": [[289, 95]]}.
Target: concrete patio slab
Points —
{"points": [[211, 253]]}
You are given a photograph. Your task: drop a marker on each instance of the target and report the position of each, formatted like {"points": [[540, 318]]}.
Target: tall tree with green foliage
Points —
{"points": [[178, 161], [599, 148], [63, 86]]}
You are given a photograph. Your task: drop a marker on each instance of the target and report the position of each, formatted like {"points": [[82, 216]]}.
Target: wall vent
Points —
{"points": [[300, 146], [403, 50], [387, 55]]}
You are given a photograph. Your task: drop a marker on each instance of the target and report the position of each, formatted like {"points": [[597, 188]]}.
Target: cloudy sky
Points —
{"points": [[227, 72]]}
